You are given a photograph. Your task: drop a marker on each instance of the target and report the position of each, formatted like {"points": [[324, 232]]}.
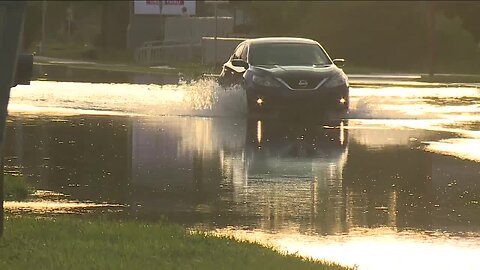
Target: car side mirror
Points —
{"points": [[240, 63], [339, 62], [24, 70]]}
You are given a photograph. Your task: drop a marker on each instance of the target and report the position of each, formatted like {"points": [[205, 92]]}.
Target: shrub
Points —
{"points": [[16, 188]]}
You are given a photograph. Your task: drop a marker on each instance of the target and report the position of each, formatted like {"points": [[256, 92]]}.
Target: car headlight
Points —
{"points": [[338, 79], [265, 81]]}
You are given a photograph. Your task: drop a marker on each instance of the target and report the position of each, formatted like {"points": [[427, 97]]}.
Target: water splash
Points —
{"points": [[199, 98], [206, 98]]}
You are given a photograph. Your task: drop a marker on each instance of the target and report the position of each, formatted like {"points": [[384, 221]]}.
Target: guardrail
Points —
{"points": [[211, 50]]}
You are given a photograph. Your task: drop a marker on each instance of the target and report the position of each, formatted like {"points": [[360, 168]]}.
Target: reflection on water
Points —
{"points": [[350, 191], [49, 202], [312, 179], [375, 248], [465, 148], [55, 207]]}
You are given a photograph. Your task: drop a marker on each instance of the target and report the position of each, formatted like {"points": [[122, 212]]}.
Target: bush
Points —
{"points": [[16, 188], [456, 47]]}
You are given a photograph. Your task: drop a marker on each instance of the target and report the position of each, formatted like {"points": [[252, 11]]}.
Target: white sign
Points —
{"points": [[178, 7], [146, 7], [164, 7]]}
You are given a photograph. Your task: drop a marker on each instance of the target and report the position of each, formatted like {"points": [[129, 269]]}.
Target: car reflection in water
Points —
{"points": [[266, 174], [275, 175], [294, 175], [217, 172]]}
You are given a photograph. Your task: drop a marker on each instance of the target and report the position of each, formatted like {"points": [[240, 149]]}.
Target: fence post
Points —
{"points": [[11, 25]]}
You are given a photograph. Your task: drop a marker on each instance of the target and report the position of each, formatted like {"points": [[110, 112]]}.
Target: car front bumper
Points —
{"points": [[262, 99]]}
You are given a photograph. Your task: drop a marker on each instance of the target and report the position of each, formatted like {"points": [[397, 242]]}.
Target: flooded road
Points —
{"points": [[394, 186]]}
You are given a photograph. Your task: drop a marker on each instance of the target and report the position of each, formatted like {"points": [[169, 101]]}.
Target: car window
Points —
{"points": [[244, 53], [288, 54], [238, 52]]}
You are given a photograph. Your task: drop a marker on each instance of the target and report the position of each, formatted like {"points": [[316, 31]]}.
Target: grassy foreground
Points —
{"points": [[70, 242]]}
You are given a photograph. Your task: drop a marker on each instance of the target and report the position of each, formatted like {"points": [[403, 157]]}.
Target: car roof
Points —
{"points": [[267, 40]]}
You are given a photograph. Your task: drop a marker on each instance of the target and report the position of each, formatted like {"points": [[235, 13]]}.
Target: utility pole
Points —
{"points": [[215, 4], [44, 14], [216, 32], [12, 15], [69, 22], [431, 39]]}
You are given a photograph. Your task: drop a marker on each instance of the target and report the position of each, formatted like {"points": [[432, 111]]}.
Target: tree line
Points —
{"points": [[396, 35]]}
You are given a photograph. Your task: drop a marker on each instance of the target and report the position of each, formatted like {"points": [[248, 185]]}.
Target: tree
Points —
{"points": [[114, 22], [388, 35]]}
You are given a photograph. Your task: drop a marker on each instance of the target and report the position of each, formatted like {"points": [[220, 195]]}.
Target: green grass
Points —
{"points": [[118, 60], [70, 51], [453, 78], [16, 188], [189, 70], [69, 242]]}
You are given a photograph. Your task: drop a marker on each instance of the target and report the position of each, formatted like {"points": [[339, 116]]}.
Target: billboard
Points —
{"points": [[146, 7], [164, 7], [178, 7]]}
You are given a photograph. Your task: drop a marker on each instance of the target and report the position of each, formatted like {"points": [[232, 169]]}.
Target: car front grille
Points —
{"points": [[299, 83]]}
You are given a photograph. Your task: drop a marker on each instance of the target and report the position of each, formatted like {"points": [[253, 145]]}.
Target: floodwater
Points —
{"points": [[394, 186]]}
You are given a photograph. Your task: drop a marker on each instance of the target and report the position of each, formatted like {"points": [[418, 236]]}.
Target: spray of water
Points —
{"points": [[440, 109], [206, 98], [199, 98]]}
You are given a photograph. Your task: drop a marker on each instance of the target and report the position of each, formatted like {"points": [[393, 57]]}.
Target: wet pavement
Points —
{"points": [[394, 186]]}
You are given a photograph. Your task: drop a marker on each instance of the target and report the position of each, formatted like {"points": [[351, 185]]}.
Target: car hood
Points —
{"points": [[297, 71]]}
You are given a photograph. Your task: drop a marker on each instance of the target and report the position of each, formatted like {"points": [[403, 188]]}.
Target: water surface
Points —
{"points": [[395, 186]]}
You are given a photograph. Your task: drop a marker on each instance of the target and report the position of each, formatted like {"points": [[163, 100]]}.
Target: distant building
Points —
{"points": [[172, 30], [148, 17]]}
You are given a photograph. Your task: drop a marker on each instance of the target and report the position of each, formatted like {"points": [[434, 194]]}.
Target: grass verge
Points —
{"points": [[68, 242], [452, 78], [188, 70], [16, 188], [120, 61]]}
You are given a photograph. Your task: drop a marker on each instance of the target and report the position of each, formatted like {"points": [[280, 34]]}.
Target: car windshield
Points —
{"points": [[287, 54]]}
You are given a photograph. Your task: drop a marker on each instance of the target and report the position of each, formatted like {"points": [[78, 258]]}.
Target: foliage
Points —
{"points": [[385, 35], [99, 23], [388, 35], [16, 188], [466, 11], [80, 243], [456, 49]]}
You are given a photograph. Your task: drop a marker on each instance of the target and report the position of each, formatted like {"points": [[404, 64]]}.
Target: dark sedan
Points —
{"points": [[288, 75]]}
